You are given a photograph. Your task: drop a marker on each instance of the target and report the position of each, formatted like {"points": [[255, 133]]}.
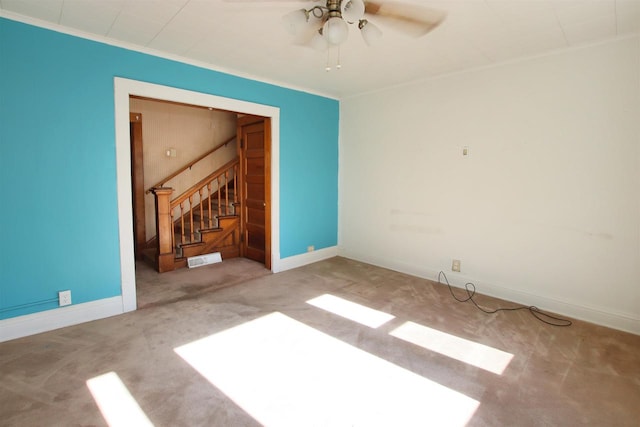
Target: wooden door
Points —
{"points": [[137, 183], [255, 155]]}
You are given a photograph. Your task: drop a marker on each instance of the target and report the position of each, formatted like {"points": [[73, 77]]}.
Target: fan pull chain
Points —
{"points": [[328, 66]]}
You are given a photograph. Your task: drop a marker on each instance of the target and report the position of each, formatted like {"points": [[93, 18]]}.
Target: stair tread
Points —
{"points": [[191, 244]]}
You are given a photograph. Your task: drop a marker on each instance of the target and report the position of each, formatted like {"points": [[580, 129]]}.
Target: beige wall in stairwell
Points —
{"points": [[190, 131]]}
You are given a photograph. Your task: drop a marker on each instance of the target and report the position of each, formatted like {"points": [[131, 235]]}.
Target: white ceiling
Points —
{"points": [[246, 37]]}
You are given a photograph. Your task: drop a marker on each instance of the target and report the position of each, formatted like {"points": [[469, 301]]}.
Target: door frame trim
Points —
{"points": [[137, 149], [123, 88]]}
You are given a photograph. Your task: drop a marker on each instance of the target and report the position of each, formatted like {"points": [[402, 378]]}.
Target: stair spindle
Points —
{"points": [[191, 219], [219, 197], [182, 237], [209, 200], [201, 209], [226, 192], [174, 244]]}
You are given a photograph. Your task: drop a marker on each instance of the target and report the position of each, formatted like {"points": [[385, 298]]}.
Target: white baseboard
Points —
{"points": [[44, 321], [620, 321], [304, 259], [49, 320]]}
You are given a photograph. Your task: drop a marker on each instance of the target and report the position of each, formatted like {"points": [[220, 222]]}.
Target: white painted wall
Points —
{"points": [[544, 211]]}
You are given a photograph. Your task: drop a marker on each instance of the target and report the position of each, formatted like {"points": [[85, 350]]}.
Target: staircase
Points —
{"points": [[203, 219], [215, 224]]}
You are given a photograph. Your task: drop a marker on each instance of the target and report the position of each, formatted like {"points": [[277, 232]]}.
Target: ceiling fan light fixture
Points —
{"points": [[294, 21], [335, 30], [371, 34]]}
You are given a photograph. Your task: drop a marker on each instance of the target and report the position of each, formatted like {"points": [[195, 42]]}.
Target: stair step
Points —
{"points": [[205, 220]]}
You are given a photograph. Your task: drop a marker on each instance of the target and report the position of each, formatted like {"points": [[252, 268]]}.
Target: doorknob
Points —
{"points": [[264, 204]]}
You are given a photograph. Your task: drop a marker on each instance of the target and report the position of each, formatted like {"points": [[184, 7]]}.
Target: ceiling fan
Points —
{"points": [[325, 24], [331, 19]]}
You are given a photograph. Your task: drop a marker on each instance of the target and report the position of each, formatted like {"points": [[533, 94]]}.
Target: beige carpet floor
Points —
{"points": [[335, 343]]}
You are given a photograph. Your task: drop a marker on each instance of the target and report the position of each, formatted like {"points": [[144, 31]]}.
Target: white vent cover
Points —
{"points": [[200, 260]]}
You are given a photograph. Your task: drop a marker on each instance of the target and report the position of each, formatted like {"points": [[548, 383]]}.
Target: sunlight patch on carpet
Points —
{"points": [[472, 353], [285, 373], [350, 310], [117, 405]]}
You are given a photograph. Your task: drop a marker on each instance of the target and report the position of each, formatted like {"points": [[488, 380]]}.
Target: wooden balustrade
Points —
{"points": [[193, 211]]}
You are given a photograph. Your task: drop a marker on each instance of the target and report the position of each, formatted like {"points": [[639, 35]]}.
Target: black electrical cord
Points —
{"points": [[535, 311]]}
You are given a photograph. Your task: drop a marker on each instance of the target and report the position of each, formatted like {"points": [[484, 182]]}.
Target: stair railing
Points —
{"points": [[209, 198]]}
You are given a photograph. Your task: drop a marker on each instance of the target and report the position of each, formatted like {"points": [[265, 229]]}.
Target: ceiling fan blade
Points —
{"points": [[409, 18]]}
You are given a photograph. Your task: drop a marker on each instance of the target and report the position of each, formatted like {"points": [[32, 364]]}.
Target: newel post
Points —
{"points": [[164, 230]]}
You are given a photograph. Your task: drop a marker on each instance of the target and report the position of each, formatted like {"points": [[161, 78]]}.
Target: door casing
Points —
{"points": [[137, 184]]}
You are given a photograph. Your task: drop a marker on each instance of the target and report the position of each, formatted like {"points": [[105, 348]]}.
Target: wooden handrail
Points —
{"points": [[194, 188], [188, 166]]}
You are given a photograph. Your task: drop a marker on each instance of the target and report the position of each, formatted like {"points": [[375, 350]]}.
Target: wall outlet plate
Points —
{"points": [[455, 265], [64, 298]]}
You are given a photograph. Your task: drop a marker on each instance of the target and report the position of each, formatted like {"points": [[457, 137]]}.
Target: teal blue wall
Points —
{"points": [[59, 223]]}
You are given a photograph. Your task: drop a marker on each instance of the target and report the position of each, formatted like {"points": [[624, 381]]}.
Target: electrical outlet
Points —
{"points": [[311, 248], [455, 266], [64, 298]]}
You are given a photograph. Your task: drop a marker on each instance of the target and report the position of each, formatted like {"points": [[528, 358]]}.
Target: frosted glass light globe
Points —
{"points": [[370, 33], [294, 21], [352, 10], [335, 30]]}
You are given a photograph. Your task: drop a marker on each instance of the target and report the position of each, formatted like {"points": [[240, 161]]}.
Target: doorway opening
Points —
{"points": [[177, 146], [125, 88]]}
